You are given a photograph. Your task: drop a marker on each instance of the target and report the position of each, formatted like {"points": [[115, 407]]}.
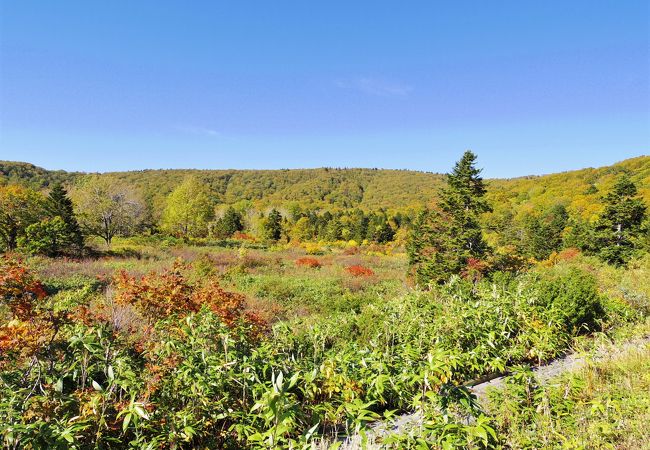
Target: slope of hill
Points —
{"points": [[579, 190], [33, 176]]}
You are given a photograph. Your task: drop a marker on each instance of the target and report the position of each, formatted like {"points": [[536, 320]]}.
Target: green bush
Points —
{"points": [[572, 298], [47, 237]]}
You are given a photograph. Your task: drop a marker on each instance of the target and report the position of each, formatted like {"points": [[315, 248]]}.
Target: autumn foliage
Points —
{"points": [[359, 271], [239, 235], [475, 269], [19, 291], [308, 262], [158, 296], [18, 287]]}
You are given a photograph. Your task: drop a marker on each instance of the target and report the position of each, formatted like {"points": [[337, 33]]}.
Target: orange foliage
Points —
{"points": [[160, 295], [308, 262], [155, 295], [359, 271], [18, 287], [23, 339], [243, 236], [568, 254]]}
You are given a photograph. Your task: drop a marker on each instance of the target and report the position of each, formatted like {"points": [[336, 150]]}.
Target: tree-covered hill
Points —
{"points": [[32, 176], [368, 189]]}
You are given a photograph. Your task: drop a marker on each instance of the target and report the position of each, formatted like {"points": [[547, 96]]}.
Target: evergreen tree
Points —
{"points": [[334, 230], [273, 225], [463, 200], [428, 249], [382, 232], [443, 240], [58, 204], [230, 223], [359, 225], [580, 235], [620, 224], [543, 235]]}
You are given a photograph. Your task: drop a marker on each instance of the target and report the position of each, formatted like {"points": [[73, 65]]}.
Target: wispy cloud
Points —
{"points": [[376, 86], [201, 131]]}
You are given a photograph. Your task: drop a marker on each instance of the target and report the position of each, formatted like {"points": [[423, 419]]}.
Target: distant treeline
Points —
{"points": [[532, 216]]}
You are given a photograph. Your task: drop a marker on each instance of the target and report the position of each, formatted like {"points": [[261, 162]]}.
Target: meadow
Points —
{"points": [[291, 349]]}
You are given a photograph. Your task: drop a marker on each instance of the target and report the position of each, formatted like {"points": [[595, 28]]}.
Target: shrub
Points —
{"points": [[568, 254], [25, 331], [308, 262], [474, 269], [47, 237], [158, 296], [359, 271], [313, 249], [18, 287], [243, 236], [572, 298]]}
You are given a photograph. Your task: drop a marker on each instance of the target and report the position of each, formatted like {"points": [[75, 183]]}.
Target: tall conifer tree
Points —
{"points": [[59, 205], [273, 225], [620, 224], [443, 240]]}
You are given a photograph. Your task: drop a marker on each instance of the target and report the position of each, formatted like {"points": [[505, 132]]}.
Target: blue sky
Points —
{"points": [[531, 87]]}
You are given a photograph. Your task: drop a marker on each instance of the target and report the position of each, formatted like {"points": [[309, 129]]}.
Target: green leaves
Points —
{"points": [[620, 224], [189, 209], [444, 240]]}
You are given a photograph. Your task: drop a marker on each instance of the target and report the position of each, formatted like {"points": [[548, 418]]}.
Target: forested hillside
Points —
{"points": [[368, 189]]}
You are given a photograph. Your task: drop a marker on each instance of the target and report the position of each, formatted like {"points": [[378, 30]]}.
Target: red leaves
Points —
{"points": [[308, 262], [475, 269], [18, 287], [243, 236], [160, 295], [568, 254], [359, 271]]}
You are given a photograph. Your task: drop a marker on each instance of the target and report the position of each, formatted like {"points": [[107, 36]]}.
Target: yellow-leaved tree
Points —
{"points": [[189, 209]]}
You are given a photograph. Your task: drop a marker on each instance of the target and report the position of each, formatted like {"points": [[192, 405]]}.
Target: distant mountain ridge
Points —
{"points": [[368, 189]]}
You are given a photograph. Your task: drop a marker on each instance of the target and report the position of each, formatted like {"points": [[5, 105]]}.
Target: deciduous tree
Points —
{"points": [[19, 208], [189, 209], [47, 237], [107, 208]]}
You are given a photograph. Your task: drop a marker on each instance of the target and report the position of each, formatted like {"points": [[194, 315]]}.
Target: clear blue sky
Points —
{"points": [[532, 87]]}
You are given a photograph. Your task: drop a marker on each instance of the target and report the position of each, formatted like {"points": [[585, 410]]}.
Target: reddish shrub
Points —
{"points": [[160, 295], [308, 262], [359, 271], [243, 236], [155, 295], [475, 269], [23, 336], [18, 287], [568, 254], [351, 251]]}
